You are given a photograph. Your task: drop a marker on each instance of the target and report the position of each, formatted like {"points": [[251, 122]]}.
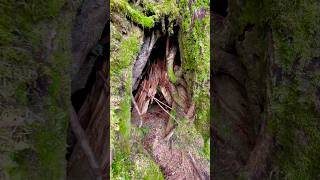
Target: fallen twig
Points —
{"points": [[169, 135], [154, 98], [166, 111], [137, 108]]}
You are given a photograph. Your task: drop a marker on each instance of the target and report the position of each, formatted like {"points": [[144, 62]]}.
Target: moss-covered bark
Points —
{"points": [[126, 40], [282, 39], [195, 49], [35, 58]]}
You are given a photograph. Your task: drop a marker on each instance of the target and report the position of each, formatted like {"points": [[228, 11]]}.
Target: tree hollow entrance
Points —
{"points": [[160, 101]]}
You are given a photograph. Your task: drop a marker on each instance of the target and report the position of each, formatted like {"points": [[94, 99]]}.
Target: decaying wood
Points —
{"points": [[148, 89], [175, 96], [169, 135], [83, 140], [143, 57], [94, 111]]}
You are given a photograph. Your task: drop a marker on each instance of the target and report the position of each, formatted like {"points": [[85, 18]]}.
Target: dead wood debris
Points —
{"points": [[158, 77], [143, 58], [85, 145]]}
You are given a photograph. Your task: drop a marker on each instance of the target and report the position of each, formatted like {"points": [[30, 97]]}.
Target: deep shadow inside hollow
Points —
{"points": [[158, 53]]}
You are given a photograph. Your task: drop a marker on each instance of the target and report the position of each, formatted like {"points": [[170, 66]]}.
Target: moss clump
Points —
{"points": [[135, 15], [295, 128], [146, 168], [124, 51], [162, 9], [171, 74], [294, 27]]}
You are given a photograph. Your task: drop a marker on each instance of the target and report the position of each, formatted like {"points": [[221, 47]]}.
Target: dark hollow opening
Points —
{"points": [[159, 52]]}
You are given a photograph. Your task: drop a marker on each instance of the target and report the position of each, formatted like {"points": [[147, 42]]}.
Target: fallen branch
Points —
{"points": [[84, 143]]}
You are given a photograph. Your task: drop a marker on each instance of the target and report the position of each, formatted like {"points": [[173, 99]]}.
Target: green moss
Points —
{"points": [[125, 124], [146, 168], [295, 27], [26, 15], [123, 59], [296, 133], [162, 9], [125, 50], [23, 34], [195, 52], [171, 74], [50, 151], [135, 15]]}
